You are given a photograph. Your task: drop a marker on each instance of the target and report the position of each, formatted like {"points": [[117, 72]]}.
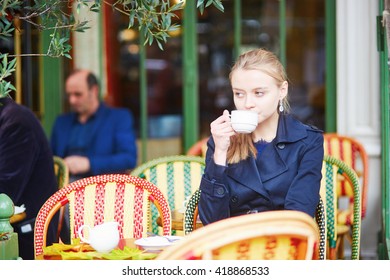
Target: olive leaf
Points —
{"points": [[153, 19]]}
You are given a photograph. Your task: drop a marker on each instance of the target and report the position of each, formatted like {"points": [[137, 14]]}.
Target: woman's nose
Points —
{"points": [[249, 102]]}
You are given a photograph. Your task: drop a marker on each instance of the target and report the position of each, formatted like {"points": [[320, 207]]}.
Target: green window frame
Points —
{"points": [[53, 89], [384, 239]]}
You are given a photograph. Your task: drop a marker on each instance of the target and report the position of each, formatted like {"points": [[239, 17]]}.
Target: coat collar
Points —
{"points": [[270, 163], [100, 111], [289, 130]]}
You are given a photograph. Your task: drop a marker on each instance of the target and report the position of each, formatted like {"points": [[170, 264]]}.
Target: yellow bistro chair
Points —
{"points": [[271, 235], [353, 153], [93, 200], [191, 216], [326, 214], [176, 176]]}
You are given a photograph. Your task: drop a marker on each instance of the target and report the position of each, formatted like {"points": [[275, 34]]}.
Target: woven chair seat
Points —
{"points": [[271, 235], [94, 200], [177, 177], [191, 216]]}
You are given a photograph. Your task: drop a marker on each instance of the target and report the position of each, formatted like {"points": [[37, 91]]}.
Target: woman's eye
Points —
{"points": [[259, 93], [238, 94]]}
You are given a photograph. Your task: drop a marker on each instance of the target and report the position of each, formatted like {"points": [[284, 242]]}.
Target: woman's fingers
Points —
{"points": [[221, 131]]}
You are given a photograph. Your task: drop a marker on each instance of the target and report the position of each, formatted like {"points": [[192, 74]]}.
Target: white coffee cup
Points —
{"points": [[103, 238], [244, 121]]}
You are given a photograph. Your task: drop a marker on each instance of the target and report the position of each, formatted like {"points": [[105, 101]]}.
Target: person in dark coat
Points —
{"points": [[277, 166], [26, 169]]}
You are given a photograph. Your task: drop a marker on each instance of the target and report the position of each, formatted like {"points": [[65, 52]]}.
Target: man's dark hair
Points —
{"points": [[92, 80]]}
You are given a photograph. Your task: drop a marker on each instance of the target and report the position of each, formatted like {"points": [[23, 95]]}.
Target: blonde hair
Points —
{"points": [[241, 146]]}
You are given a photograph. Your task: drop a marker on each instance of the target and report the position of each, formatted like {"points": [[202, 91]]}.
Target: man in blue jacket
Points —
{"points": [[93, 139]]}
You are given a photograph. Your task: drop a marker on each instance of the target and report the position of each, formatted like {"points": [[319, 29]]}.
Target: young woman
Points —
{"points": [[277, 166]]}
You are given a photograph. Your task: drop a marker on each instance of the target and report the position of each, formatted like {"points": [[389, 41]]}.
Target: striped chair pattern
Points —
{"points": [[333, 168], [122, 198], [177, 177], [326, 214], [328, 193], [191, 215], [353, 154], [271, 235]]}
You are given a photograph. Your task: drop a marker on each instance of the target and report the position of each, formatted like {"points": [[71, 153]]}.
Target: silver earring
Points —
{"points": [[281, 108]]}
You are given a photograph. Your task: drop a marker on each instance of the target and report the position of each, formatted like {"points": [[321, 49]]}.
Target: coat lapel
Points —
{"points": [[246, 173], [270, 163]]}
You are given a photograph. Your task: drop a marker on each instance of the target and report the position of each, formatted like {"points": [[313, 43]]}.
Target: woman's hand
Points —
{"points": [[221, 130]]}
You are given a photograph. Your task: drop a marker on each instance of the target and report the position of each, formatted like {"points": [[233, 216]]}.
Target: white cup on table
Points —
{"points": [[103, 238]]}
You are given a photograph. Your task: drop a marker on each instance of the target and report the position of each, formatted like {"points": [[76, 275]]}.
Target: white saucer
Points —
{"points": [[157, 243]]}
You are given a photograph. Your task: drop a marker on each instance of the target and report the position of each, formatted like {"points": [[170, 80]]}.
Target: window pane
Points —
{"points": [[305, 31]]}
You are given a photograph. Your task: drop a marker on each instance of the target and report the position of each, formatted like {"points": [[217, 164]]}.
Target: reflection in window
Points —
{"points": [[305, 64]]}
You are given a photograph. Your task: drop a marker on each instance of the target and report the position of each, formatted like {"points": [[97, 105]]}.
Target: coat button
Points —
{"points": [[220, 191], [234, 199], [281, 146]]}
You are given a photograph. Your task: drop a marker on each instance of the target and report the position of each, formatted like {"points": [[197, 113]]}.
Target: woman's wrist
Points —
{"points": [[220, 157]]}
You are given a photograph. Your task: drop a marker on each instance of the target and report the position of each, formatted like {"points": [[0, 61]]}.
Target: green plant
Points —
{"points": [[153, 18]]}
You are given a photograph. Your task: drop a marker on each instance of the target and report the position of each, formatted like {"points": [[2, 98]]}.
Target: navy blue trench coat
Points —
{"points": [[286, 176]]}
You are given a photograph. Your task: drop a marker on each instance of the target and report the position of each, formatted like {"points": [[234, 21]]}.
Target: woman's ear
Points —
{"points": [[283, 90]]}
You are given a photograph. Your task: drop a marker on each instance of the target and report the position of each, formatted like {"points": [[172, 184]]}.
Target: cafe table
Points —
{"points": [[177, 219], [81, 251]]}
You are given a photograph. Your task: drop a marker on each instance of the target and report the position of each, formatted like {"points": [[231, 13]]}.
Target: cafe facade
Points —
{"points": [[335, 54]]}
